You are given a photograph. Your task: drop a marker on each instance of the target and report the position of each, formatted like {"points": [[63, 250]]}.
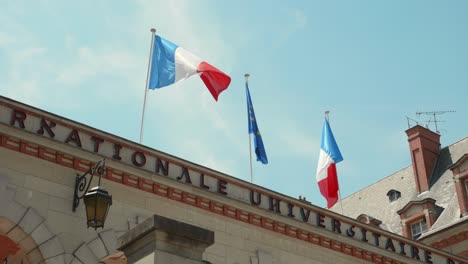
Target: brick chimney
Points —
{"points": [[425, 147]]}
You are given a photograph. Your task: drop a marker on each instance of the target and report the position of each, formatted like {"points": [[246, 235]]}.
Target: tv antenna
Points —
{"points": [[434, 114], [409, 120]]}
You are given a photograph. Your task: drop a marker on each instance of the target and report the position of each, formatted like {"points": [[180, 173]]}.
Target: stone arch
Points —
{"points": [[100, 249], [25, 234], [27, 229], [11, 249], [30, 240], [29, 233]]}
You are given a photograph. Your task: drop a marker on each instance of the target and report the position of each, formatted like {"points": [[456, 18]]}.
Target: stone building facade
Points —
{"points": [[427, 201], [41, 154]]}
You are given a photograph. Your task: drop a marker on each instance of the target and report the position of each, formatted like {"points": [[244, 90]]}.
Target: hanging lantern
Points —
{"points": [[97, 200]]}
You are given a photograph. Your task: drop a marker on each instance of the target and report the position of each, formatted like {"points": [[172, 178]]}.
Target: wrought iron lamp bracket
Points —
{"points": [[82, 184]]}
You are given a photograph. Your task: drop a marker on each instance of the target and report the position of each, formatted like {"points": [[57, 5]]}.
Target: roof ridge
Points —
{"points": [[404, 168], [368, 186], [458, 141]]}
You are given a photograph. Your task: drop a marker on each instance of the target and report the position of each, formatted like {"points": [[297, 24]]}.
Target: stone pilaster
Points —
{"points": [[160, 240]]}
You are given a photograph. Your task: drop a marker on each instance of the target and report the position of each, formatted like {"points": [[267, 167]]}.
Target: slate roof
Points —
{"points": [[374, 202]]}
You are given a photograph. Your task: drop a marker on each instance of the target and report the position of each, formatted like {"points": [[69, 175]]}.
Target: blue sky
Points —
{"points": [[371, 63]]}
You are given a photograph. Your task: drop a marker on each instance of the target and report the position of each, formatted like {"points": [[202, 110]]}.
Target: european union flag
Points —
{"points": [[253, 129]]}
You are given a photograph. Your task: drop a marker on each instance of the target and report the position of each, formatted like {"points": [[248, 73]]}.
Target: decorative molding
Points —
{"points": [[203, 203], [425, 203], [451, 240]]}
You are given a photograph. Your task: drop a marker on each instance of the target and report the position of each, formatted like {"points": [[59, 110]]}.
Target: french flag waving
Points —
{"points": [[171, 63], [327, 177]]}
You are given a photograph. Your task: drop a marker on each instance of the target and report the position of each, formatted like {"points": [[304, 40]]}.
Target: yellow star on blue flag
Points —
{"points": [[253, 129]]}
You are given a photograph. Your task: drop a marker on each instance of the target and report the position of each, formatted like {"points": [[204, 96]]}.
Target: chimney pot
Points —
{"points": [[424, 148]]}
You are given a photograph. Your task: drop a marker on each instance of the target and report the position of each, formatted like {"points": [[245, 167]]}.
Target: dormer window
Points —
{"points": [[393, 195], [418, 228], [466, 186], [418, 216], [460, 176]]}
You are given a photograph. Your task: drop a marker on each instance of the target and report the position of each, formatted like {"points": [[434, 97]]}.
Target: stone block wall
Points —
{"points": [[37, 195]]}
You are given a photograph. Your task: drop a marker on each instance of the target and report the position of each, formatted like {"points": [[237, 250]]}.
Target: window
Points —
{"points": [[466, 187], [418, 228], [393, 195]]}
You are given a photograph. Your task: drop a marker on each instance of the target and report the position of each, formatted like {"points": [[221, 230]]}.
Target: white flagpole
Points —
{"points": [[153, 32], [327, 113], [250, 137]]}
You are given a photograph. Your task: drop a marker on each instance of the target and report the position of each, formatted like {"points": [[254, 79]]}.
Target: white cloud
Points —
{"points": [[189, 103], [90, 62], [296, 141], [4, 39], [205, 156], [26, 55], [25, 90], [300, 18], [179, 21], [24, 62], [293, 21], [80, 69], [220, 122], [22, 75], [70, 41]]}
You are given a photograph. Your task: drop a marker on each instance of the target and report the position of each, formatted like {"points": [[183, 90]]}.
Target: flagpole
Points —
{"points": [[327, 116], [153, 32], [250, 138]]}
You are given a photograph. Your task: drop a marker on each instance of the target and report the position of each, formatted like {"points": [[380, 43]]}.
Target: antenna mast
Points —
{"points": [[408, 119], [434, 114]]}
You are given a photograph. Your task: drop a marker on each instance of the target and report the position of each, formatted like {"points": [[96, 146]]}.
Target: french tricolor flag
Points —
{"points": [[171, 63], [327, 177]]}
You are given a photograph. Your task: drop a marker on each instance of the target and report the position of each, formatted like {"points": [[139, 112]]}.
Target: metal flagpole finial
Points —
{"points": [[153, 30], [327, 113], [246, 76]]}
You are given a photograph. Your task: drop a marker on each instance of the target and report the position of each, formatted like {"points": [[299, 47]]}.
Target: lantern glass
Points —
{"points": [[97, 202]]}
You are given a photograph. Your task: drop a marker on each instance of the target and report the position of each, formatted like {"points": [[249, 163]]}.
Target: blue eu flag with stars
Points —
{"points": [[253, 129]]}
